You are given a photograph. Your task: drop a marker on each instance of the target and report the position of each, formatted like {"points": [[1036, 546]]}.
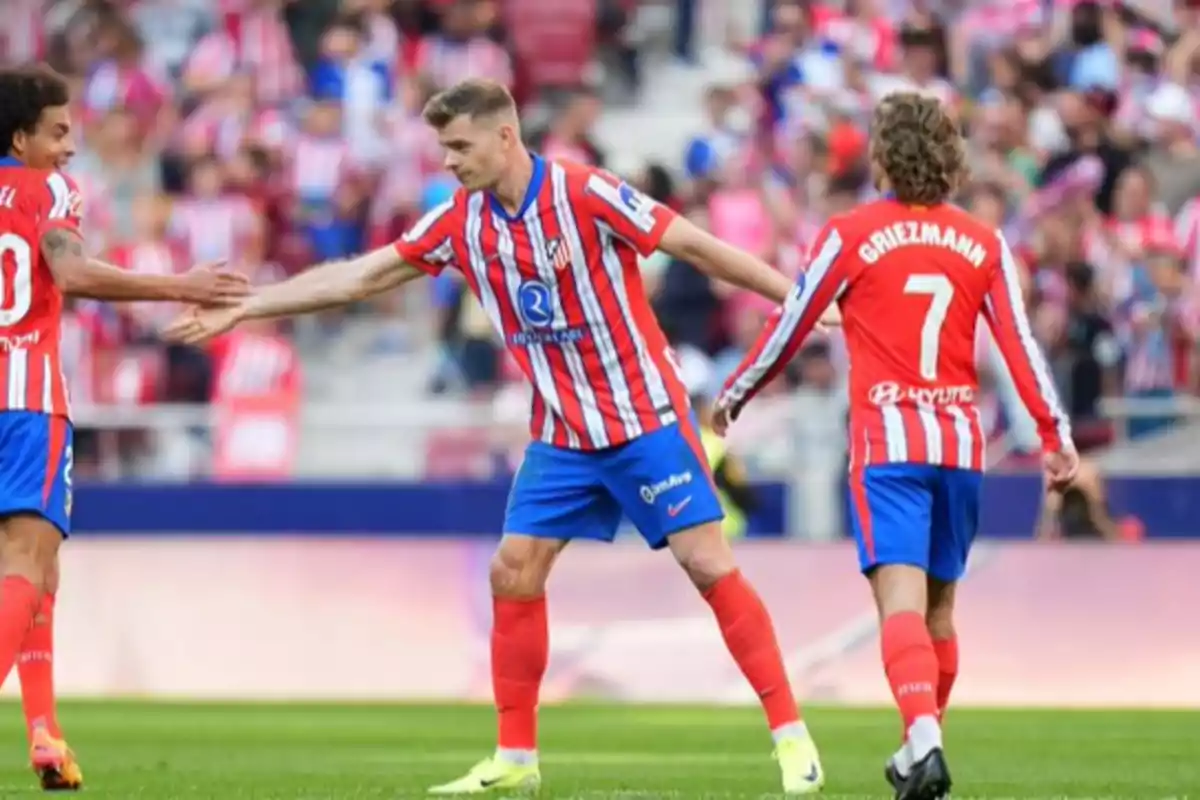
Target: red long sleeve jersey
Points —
{"points": [[31, 203], [911, 283]]}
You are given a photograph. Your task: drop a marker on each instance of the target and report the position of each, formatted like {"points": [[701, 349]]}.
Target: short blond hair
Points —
{"points": [[472, 98]]}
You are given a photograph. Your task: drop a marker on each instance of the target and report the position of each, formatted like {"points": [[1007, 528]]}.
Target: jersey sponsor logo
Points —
{"points": [[651, 491], [886, 393], [22, 341], [564, 336], [534, 301], [627, 201]]}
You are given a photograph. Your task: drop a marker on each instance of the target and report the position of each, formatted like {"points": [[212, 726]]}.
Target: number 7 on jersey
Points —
{"points": [[941, 291]]}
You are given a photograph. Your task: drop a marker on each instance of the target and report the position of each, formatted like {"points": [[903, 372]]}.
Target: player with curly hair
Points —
{"points": [[912, 274], [41, 259]]}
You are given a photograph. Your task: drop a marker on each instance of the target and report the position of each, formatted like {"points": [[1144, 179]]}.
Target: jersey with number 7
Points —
{"points": [[911, 283]]}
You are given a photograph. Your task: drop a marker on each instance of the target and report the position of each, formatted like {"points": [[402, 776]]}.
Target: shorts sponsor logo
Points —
{"points": [[889, 392], [651, 491]]}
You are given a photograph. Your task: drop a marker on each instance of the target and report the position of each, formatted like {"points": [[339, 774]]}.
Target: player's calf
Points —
{"points": [[520, 641], [28, 554], [705, 554], [911, 665], [939, 619]]}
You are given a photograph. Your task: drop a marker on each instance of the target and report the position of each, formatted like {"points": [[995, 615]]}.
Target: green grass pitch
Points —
{"points": [[592, 752]]}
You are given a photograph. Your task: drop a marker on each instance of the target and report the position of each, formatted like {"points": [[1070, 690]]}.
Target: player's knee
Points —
{"points": [[704, 554], [899, 588], [30, 550], [521, 566]]}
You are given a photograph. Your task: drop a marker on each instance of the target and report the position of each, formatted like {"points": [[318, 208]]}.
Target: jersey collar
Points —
{"points": [[9, 161], [531, 193]]}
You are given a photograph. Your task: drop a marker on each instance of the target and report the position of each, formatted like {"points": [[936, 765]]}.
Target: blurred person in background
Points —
{"points": [[462, 48], [359, 80], [1086, 360], [211, 223], [254, 40], [325, 184], [1174, 158], [118, 168], [726, 134], [1080, 512], [1084, 117], [121, 77], [1159, 322], [570, 135]]}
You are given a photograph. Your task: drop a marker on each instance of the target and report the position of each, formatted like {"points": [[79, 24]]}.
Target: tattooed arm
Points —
{"points": [[76, 274]]}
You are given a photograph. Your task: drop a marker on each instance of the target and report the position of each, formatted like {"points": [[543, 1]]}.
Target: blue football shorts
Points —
{"points": [[922, 515], [660, 481], [35, 466]]}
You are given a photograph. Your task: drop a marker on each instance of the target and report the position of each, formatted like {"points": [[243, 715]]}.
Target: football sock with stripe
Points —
{"points": [[912, 670], [946, 651], [18, 603], [35, 665], [520, 651], [750, 636]]}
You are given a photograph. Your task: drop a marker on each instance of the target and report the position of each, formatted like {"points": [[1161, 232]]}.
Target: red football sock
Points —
{"points": [[520, 650], [35, 665], [750, 637], [911, 666], [18, 603], [946, 651]]}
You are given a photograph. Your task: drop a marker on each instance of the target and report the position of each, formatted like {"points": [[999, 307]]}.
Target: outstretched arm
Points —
{"points": [[76, 274], [813, 293], [717, 259], [332, 284]]}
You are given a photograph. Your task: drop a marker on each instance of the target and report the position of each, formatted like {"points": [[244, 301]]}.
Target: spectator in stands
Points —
{"points": [[570, 136], [1087, 358], [462, 49], [1174, 160]]}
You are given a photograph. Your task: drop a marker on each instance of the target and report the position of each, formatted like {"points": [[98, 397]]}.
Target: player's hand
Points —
{"points": [[1060, 468], [721, 418], [197, 325], [212, 285]]}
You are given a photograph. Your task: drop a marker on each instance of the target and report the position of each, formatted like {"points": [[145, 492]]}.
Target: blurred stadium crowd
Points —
{"points": [[278, 132]]}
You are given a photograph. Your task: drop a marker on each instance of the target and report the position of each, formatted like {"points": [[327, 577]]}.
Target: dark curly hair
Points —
{"points": [[918, 147], [24, 93]]}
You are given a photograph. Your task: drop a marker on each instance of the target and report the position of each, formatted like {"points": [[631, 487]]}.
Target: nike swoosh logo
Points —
{"points": [[490, 782], [673, 510], [813, 774]]}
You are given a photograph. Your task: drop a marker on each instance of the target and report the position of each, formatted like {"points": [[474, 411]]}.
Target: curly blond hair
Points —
{"points": [[918, 147]]}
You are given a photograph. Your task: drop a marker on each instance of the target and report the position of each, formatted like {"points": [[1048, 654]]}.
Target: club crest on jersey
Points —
{"points": [[559, 254], [75, 204]]}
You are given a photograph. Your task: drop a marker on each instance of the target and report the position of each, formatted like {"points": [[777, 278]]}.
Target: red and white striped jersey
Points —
{"points": [[32, 202], [446, 62], [1187, 235], [560, 282], [23, 35], [254, 40], [252, 364], [911, 284], [211, 229]]}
